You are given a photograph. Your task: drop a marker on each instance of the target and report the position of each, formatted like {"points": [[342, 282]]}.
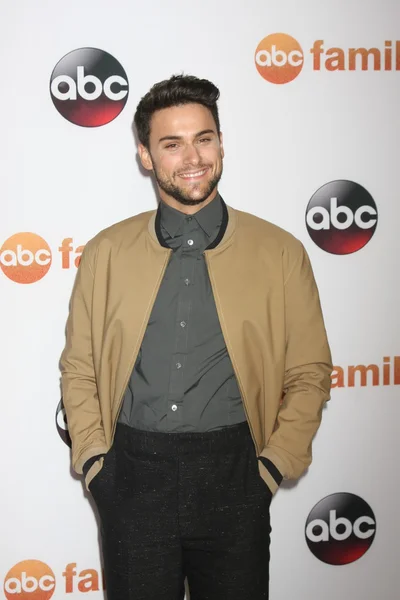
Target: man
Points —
{"points": [[195, 369]]}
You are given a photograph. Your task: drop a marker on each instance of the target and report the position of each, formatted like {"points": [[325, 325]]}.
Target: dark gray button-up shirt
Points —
{"points": [[183, 379]]}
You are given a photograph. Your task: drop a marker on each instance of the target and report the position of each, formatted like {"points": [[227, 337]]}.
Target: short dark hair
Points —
{"points": [[175, 91]]}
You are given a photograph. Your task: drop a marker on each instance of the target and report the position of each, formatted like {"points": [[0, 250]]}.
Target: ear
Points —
{"points": [[145, 157], [221, 143]]}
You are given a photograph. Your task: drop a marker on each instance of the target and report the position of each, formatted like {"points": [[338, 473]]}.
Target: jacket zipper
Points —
{"points": [[134, 355], [221, 321]]}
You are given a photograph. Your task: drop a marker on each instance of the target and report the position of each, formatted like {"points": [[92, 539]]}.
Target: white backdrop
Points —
{"points": [[282, 142]]}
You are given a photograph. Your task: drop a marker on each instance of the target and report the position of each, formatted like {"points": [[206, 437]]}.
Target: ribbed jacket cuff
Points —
{"points": [[89, 463], [272, 469]]}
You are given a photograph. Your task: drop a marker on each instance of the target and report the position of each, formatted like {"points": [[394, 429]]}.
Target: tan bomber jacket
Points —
{"points": [[269, 309]]}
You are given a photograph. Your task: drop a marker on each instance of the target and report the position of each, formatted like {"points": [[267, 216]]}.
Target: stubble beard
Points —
{"points": [[180, 195]]}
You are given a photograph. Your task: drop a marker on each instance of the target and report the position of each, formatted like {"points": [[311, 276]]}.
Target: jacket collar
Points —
{"points": [[224, 236]]}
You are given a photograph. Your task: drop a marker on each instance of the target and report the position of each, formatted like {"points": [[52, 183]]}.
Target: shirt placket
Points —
{"points": [[189, 252]]}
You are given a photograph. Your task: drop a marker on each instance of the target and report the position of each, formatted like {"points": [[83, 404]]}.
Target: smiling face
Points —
{"points": [[185, 153]]}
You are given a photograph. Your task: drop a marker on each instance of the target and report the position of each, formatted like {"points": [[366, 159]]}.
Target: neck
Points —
{"points": [[185, 208]]}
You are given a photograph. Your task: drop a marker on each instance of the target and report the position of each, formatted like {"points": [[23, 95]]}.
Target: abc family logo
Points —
{"points": [[35, 580], [341, 217], [279, 58], [340, 529], [89, 87], [26, 257], [62, 424], [365, 375]]}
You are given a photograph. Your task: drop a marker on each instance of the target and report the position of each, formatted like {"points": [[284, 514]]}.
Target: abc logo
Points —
{"points": [[341, 217], [340, 529], [62, 425], [89, 87], [29, 580], [279, 58], [25, 258]]}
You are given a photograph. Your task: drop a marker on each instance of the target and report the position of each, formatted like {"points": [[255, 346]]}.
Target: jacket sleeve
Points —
{"points": [[308, 367], [78, 380]]}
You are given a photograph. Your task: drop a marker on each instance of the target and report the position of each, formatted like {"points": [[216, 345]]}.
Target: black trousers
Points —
{"points": [[183, 505]]}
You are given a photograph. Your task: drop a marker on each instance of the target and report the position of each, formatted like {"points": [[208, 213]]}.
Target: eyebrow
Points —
{"points": [[179, 137]]}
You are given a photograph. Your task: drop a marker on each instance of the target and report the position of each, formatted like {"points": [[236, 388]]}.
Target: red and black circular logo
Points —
{"points": [[341, 217], [62, 425], [89, 87], [340, 529]]}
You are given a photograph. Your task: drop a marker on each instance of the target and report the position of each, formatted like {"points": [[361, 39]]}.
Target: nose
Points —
{"points": [[191, 155]]}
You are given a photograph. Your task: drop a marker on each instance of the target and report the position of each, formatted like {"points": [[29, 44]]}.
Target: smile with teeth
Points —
{"points": [[193, 175]]}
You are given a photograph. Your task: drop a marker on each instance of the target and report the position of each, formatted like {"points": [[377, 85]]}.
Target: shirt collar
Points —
{"points": [[209, 217], [171, 219]]}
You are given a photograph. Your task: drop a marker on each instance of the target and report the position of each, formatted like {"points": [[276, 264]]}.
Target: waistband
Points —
{"points": [[209, 442]]}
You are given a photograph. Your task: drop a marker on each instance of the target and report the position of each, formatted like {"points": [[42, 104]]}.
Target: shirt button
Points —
{"points": [[174, 407], [189, 218], [190, 242], [182, 324], [178, 365], [187, 281]]}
